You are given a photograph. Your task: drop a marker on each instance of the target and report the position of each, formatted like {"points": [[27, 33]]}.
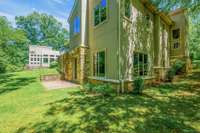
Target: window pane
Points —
{"points": [[136, 64], [145, 64], [145, 59], [103, 3], [103, 14], [127, 8], [45, 60], [76, 25], [141, 64], [136, 59], [51, 59], [176, 45], [101, 63], [96, 16], [176, 34], [95, 65]]}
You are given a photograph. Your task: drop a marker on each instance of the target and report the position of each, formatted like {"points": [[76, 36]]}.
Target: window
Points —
{"points": [[176, 45], [140, 64], [100, 12], [176, 34], [77, 24], [52, 59], [45, 60], [31, 59], [127, 8], [99, 64]]}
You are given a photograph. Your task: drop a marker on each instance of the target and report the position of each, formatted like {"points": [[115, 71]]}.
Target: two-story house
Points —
{"points": [[117, 40]]}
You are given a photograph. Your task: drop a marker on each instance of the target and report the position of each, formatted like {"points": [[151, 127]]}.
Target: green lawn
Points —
{"points": [[25, 106]]}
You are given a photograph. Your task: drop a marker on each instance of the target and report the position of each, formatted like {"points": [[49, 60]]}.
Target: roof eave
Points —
{"points": [[71, 12]]}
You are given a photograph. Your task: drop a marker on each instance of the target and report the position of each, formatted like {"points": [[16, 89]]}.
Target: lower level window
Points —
{"points": [[176, 45], [140, 64], [99, 64], [45, 60], [52, 60]]}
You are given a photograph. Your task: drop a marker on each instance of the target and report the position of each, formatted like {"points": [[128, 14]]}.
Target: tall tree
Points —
{"points": [[13, 46], [43, 29]]}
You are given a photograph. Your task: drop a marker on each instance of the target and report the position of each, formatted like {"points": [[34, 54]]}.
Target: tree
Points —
{"points": [[13, 46], [43, 29]]}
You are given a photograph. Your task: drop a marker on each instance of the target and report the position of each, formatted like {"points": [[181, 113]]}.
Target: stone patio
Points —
{"points": [[58, 84]]}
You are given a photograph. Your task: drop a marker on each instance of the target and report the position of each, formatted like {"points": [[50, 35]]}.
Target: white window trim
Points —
{"points": [[93, 73], [107, 15]]}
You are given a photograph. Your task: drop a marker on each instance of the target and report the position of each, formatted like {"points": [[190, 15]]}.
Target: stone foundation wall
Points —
{"points": [[128, 85], [82, 56]]}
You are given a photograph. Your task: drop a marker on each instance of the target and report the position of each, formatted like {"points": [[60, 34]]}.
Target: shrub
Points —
{"points": [[138, 85], [13, 68], [103, 89], [2, 68], [178, 66], [196, 64], [54, 64], [170, 74], [176, 69], [88, 87]]}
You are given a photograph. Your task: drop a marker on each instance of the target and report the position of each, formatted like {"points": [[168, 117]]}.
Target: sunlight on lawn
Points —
{"points": [[164, 108]]}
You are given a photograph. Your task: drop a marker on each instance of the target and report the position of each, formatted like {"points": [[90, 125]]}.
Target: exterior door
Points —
{"points": [[75, 63]]}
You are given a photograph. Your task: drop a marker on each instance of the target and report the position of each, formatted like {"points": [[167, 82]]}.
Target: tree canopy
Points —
{"points": [[13, 43], [43, 29], [34, 29]]}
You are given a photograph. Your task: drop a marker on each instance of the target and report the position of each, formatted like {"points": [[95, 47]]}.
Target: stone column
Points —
{"points": [[157, 47], [157, 41]]}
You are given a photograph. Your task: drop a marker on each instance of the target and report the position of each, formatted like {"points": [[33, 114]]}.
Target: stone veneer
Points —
{"points": [[81, 54]]}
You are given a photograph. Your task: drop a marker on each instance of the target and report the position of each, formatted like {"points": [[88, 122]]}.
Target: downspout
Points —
{"points": [[121, 82]]}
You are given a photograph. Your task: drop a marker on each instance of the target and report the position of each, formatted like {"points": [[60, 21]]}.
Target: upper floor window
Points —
{"points": [[100, 12], [127, 8], [176, 33], [77, 25]]}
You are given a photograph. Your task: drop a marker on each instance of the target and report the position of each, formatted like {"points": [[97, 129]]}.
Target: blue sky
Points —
{"points": [[58, 8]]}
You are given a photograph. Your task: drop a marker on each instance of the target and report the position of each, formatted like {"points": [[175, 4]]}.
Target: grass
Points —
{"points": [[26, 107]]}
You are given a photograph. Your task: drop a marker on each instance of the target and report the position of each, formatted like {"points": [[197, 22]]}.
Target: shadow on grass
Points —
{"points": [[11, 83], [195, 76], [126, 113]]}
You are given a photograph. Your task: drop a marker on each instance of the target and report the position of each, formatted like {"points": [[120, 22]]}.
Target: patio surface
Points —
{"points": [[58, 84]]}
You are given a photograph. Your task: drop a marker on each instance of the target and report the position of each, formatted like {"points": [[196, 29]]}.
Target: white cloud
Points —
{"points": [[59, 1], [64, 22]]}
